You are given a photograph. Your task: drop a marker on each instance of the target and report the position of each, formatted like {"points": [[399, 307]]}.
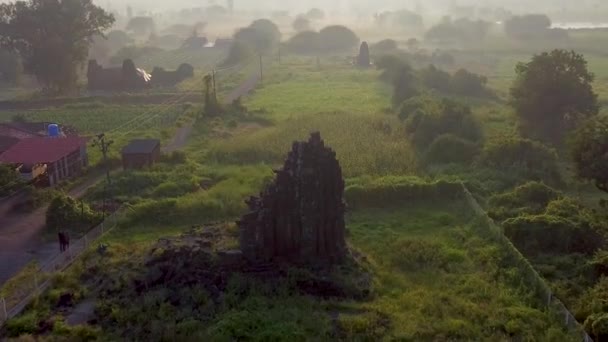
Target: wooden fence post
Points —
{"points": [[4, 309]]}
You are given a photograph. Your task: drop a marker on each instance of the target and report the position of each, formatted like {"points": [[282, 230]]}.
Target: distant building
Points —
{"points": [[127, 77], [12, 132], [141, 153], [55, 158], [195, 43], [164, 78], [223, 43]]}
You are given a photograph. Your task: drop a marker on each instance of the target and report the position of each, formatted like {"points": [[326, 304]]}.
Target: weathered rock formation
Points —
{"points": [[299, 218], [363, 58], [164, 78], [128, 77]]}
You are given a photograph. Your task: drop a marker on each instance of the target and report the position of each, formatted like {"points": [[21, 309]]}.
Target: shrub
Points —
{"points": [[529, 198], [338, 38], [467, 83], [435, 78], [529, 159], [174, 158], [418, 105], [65, 212], [449, 148], [444, 117], [23, 324], [533, 234], [414, 255], [390, 191], [384, 46]]}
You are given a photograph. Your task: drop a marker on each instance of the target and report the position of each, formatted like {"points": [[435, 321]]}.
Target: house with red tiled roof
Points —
{"points": [[55, 158]]}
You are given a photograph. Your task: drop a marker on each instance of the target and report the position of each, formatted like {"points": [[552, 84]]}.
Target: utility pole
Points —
{"points": [[279, 55], [261, 70], [214, 88], [104, 147]]}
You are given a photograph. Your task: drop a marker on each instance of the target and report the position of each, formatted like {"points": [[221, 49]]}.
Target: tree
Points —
{"points": [[10, 67], [466, 83], [404, 19], [52, 37], [141, 26], [527, 26], [552, 94], [458, 31], [589, 150], [239, 52], [338, 38], [263, 35], [435, 78], [9, 179], [405, 84], [385, 45], [363, 58], [301, 24], [315, 14], [307, 43], [65, 213]]}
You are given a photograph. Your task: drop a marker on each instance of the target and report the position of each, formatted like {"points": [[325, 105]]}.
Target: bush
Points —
{"points": [[414, 255], [466, 83], [395, 191], [449, 148], [338, 38], [526, 158], [443, 117], [65, 213], [437, 79], [545, 233], [529, 198], [23, 324], [384, 46], [174, 158]]}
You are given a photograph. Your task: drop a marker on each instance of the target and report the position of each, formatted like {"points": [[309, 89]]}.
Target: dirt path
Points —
{"points": [[21, 239], [183, 133]]}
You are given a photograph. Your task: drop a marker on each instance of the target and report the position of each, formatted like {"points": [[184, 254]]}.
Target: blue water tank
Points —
{"points": [[53, 131]]}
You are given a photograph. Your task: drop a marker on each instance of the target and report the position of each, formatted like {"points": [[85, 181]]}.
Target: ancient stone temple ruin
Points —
{"points": [[299, 218]]}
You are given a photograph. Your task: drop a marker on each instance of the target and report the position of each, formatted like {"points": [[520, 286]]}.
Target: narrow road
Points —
{"points": [[21, 233]]}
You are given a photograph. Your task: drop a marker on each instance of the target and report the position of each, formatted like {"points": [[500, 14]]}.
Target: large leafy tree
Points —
{"points": [[590, 152], [552, 94], [263, 35], [52, 37]]}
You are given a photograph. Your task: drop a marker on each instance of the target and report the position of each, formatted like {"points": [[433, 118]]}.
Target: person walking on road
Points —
{"points": [[64, 241], [61, 237]]}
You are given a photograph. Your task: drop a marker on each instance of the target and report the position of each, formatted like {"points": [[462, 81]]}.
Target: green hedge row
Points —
{"points": [[391, 191]]}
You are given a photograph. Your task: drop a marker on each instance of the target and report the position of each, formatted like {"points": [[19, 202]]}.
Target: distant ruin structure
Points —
{"points": [[164, 78], [299, 218], [363, 59], [127, 77]]}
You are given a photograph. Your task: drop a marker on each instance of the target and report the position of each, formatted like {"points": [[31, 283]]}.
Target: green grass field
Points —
{"points": [[291, 91], [435, 277]]}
